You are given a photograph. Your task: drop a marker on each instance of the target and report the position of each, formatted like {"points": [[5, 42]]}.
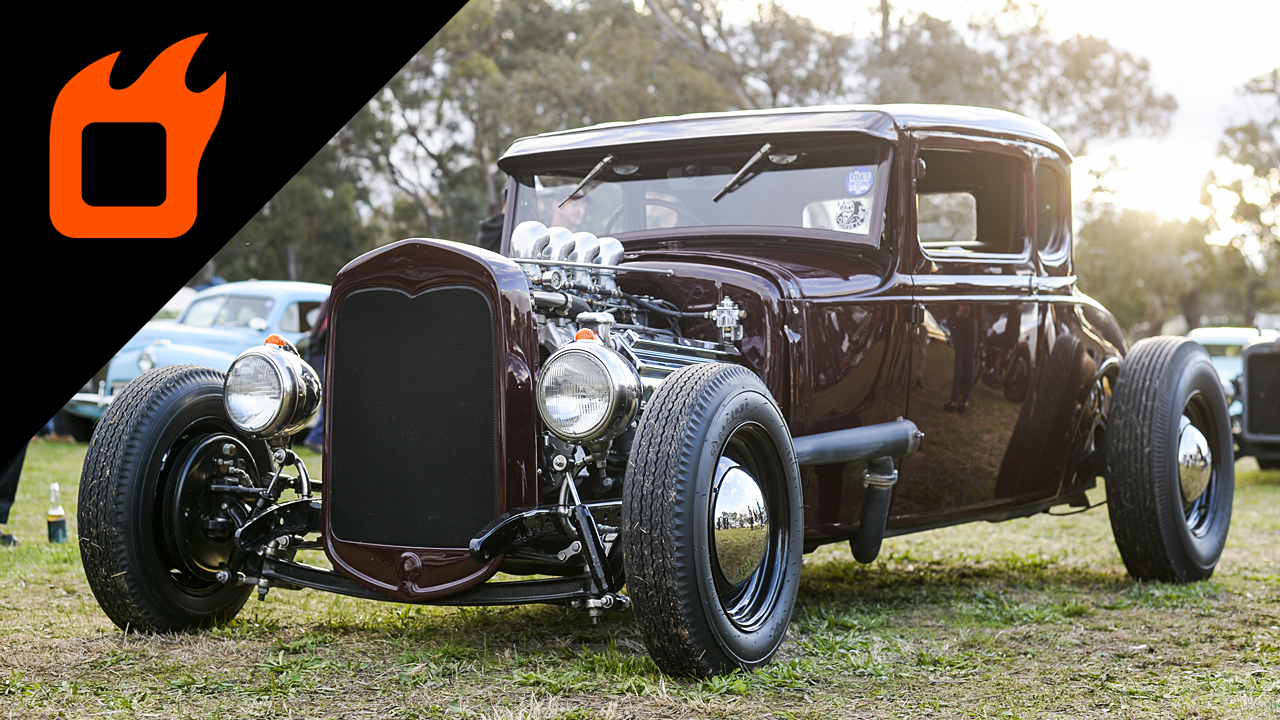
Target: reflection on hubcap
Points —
{"points": [[1195, 462], [740, 522]]}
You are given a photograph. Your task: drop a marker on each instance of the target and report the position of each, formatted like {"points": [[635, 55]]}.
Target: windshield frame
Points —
{"points": [[577, 164]]}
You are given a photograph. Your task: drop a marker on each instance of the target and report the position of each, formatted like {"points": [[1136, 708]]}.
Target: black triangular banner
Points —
{"points": [[292, 81]]}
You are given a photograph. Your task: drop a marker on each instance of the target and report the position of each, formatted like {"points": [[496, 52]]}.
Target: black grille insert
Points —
{"points": [[414, 425], [1263, 379]]}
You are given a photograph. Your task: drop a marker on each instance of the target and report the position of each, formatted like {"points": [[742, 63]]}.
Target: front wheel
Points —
{"points": [[1171, 462], [712, 523], [153, 536]]}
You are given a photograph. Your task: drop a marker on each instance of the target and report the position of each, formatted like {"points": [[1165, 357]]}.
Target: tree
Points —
{"points": [[1244, 206], [1140, 266], [307, 231], [1083, 87], [790, 60], [776, 60], [697, 28], [502, 70], [426, 145]]}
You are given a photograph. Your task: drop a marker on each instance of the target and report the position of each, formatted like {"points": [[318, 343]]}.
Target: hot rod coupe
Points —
{"points": [[711, 343]]}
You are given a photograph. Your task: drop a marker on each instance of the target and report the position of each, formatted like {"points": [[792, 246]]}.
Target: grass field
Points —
{"points": [[1029, 618]]}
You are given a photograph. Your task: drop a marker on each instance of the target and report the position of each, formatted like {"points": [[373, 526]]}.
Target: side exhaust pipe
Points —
{"points": [[877, 490], [878, 445], [892, 439]]}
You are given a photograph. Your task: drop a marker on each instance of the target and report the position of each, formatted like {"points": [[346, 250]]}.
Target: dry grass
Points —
{"points": [[1030, 618]]}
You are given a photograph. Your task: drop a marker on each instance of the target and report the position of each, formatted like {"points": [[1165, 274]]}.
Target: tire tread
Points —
{"points": [[660, 576], [1138, 490], [107, 479]]}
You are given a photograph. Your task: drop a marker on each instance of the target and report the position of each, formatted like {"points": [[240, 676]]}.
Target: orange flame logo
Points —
{"points": [[160, 96]]}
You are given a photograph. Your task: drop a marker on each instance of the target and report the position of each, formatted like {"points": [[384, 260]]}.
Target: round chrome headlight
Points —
{"points": [[587, 393], [271, 392], [146, 360]]}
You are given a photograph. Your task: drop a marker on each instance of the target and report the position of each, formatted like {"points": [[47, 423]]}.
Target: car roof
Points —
{"points": [[270, 288], [884, 121], [1224, 335]]}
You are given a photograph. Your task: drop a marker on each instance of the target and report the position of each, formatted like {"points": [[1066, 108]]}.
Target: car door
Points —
{"points": [[856, 368], [979, 329]]}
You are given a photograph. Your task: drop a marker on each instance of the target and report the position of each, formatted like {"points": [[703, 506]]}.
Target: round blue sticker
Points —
{"points": [[859, 181]]}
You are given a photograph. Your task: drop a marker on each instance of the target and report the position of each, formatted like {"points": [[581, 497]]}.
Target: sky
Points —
{"points": [[1200, 53]]}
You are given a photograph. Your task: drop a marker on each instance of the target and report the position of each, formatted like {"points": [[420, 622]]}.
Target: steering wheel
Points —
{"points": [[680, 209]]}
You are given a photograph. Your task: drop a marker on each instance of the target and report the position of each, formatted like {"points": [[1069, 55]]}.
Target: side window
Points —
{"points": [[1049, 210], [968, 202], [298, 317], [290, 320], [947, 220]]}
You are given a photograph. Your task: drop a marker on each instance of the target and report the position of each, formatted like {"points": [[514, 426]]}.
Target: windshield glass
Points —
{"points": [[226, 311], [831, 189]]}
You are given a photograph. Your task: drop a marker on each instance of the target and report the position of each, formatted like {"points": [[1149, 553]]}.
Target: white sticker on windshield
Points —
{"points": [[853, 216]]}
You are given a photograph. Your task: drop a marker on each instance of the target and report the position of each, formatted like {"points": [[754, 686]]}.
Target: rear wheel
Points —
{"points": [[712, 524], [152, 534], [1171, 463]]}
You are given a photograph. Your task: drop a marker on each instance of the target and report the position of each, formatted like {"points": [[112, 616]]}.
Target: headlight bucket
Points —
{"points": [[270, 392], [587, 393]]}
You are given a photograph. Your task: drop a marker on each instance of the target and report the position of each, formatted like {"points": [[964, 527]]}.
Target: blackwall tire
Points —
{"points": [[1168, 412], [134, 552], [710, 433]]}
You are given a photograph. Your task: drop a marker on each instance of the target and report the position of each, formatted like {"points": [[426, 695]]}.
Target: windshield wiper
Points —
{"points": [[764, 149], [606, 162]]}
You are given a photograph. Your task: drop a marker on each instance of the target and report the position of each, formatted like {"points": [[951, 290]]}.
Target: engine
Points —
{"points": [[603, 353]]}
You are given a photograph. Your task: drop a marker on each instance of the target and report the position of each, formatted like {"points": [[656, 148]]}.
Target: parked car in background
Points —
{"points": [[1225, 346], [1259, 433], [219, 323]]}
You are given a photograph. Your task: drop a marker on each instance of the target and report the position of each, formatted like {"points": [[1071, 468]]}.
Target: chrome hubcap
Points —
{"points": [[1195, 463], [740, 522]]}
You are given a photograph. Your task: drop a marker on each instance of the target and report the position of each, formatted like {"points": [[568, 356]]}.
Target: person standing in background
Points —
{"points": [[489, 236], [315, 356], [9, 475]]}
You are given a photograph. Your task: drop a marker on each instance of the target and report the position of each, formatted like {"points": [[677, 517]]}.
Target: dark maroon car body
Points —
{"points": [[843, 336]]}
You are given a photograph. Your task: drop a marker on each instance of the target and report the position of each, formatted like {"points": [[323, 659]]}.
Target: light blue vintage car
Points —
{"points": [[220, 322]]}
